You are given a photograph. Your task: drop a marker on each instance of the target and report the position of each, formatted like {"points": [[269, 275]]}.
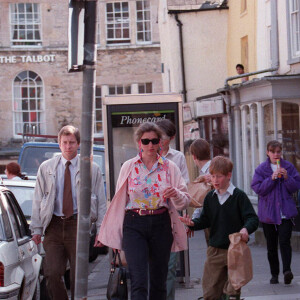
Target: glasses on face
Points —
{"points": [[147, 141]]}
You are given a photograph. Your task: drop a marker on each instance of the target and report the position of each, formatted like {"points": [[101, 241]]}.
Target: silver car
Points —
{"points": [[19, 259]]}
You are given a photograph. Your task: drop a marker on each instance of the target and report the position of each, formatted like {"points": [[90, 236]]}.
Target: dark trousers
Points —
{"points": [[281, 233], [147, 242], [60, 247]]}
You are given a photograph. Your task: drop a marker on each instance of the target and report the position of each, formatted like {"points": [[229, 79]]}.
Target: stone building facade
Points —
{"points": [[38, 93]]}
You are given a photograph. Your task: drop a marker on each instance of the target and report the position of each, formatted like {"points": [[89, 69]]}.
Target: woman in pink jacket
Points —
{"points": [[142, 218]]}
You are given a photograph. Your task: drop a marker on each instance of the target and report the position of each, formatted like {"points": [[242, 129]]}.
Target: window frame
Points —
{"points": [[116, 87], [145, 86], [292, 57], [123, 21], [18, 114], [143, 22], [99, 109], [34, 42]]}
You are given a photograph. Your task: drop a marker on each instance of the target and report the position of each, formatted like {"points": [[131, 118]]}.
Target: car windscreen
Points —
{"points": [[32, 157], [24, 196]]}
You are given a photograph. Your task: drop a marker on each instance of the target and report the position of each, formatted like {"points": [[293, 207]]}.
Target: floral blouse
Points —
{"points": [[145, 188]]}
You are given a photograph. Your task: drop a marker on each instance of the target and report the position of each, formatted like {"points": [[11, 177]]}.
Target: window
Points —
{"points": [[119, 89], [117, 23], [28, 103], [294, 20], [25, 24], [143, 21], [98, 111], [145, 88]]}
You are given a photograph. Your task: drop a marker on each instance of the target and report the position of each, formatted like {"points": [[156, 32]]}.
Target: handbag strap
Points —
{"points": [[114, 261]]}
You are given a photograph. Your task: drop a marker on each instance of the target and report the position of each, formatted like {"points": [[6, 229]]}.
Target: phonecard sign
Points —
{"points": [[135, 118]]}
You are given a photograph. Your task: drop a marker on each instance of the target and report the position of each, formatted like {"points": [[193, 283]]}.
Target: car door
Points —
{"points": [[26, 247]]}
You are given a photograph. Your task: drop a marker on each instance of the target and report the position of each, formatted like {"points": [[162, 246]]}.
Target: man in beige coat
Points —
{"points": [[55, 209]]}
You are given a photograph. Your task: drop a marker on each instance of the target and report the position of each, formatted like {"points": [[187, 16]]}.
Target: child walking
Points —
{"points": [[226, 210]]}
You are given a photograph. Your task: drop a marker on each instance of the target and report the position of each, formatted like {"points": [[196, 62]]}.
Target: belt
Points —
{"points": [[148, 212], [73, 217]]}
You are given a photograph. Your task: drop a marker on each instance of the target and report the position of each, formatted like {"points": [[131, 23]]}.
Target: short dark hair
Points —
{"points": [[167, 127], [272, 145], [147, 127], [220, 164], [200, 149], [239, 66], [68, 130]]}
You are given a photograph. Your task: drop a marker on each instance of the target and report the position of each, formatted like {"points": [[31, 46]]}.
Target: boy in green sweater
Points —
{"points": [[226, 210]]}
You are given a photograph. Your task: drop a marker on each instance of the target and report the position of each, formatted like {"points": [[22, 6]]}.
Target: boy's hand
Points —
{"points": [[283, 172], [186, 220], [245, 235]]}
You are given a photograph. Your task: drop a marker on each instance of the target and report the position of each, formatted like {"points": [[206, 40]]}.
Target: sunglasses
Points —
{"points": [[147, 141]]}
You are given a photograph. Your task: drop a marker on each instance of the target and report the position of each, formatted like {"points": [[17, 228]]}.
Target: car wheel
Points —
{"points": [[36, 295]]}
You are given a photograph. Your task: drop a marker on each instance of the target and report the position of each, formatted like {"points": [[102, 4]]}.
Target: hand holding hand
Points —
{"points": [[37, 238], [189, 232], [245, 235], [186, 220]]}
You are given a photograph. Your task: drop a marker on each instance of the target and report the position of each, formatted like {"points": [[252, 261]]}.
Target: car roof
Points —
{"points": [[54, 145]]}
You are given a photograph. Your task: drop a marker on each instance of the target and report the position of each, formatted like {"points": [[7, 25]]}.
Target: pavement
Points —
{"points": [[259, 288]]}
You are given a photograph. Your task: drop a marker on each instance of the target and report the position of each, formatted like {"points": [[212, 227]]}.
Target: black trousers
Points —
{"points": [[147, 242], [281, 233]]}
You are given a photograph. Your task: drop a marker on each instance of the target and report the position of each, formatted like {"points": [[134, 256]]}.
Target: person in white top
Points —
{"points": [[178, 158], [200, 151], [13, 171]]}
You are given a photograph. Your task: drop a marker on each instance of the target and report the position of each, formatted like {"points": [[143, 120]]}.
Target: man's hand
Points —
{"points": [[37, 238], [186, 220], [245, 235], [207, 178]]}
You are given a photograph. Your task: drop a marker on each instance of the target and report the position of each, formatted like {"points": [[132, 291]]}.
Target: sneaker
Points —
{"points": [[274, 280], [288, 277]]}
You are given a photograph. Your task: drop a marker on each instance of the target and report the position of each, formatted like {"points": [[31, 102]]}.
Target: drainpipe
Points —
{"points": [[184, 92]]}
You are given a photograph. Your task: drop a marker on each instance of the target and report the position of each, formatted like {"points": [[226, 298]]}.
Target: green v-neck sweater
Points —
{"points": [[236, 213]]}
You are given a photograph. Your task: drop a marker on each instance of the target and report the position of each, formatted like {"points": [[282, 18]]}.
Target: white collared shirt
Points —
{"points": [[60, 179], [205, 169], [178, 158], [223, 198]]}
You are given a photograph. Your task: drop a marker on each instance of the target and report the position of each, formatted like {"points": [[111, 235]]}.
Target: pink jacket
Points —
{"points": [[111, 230]]}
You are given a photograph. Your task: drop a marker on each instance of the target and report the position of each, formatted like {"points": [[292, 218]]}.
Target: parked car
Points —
{"points": [[19, 259], [24, 190], [32, 154]]}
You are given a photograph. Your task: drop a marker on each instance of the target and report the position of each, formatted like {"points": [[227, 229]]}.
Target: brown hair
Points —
{"points": [[200, 149], [272, 145], [14, 168], [167, 127], [220, 164], [68, 130], [147, 127]]}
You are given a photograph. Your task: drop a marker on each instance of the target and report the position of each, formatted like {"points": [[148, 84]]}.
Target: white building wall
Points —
{"points": [[204, 42]]}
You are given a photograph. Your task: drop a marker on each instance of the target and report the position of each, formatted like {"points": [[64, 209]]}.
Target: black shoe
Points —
{"points": [[274, 280], [288, 277]]}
